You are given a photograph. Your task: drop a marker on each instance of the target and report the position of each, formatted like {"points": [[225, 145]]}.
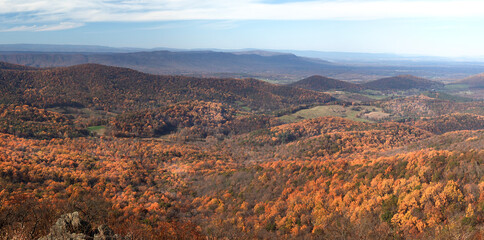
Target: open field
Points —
{"points": [[356, 113], [98, 130]]}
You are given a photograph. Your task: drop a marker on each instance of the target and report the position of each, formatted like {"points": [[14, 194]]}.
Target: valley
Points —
{"points": [[276, 66], [191, 157]]}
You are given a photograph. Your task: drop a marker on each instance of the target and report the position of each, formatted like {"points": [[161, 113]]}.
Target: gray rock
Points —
{"points": [[71, 227]]}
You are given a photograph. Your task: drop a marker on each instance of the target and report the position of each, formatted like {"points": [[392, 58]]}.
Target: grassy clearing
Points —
{"points": [[355, 113], [98, 130], [95, 128], [373, 94], [358, 97], [375, 97]]}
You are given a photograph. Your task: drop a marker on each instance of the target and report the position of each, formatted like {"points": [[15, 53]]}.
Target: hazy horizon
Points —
{"points": [[446, 28], [323, 55]]}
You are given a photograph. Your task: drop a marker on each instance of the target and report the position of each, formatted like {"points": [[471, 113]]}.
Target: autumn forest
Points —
{"points": [[179, 157]]}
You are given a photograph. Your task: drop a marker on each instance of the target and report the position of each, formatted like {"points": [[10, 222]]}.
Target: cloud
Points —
{"points": [[43, 28], [28, 13], [214, 25]]}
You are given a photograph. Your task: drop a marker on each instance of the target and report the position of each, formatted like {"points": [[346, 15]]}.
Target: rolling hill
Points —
{"points": [[117, 89], [396, 83], [475, 81], [403, 82], [424, 106], [320, 83], [30, 122], [450, 122], [10, 66], [178, 157]]}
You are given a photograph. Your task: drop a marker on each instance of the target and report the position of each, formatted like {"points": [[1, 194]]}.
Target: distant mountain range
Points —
{"points": [[282, 67], [205, 63], [56, 48], [327, 55]]}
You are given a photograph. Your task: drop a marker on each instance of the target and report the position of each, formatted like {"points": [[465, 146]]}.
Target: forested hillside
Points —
{"points": [[117, 89], [30, 122], [451, 122], [423, 106], [320, 83], [346, 180], [403, 82], [170, 157], [474, 81]]}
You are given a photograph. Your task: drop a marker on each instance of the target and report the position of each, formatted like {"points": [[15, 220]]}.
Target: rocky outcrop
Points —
{"points": [[71, 227]]}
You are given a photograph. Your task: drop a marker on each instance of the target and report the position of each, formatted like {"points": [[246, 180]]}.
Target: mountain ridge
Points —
{"points": [[400, 82], [283, 67], [115, 88], [474, 81], [321, 83], [403, 82], [202, 63]]}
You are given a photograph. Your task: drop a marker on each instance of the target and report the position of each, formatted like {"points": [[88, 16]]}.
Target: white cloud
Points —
{"points": [[28, 13], [42, 28]]}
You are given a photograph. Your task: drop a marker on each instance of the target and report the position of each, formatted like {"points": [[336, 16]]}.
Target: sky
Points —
{"points": [[452, 28]]}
